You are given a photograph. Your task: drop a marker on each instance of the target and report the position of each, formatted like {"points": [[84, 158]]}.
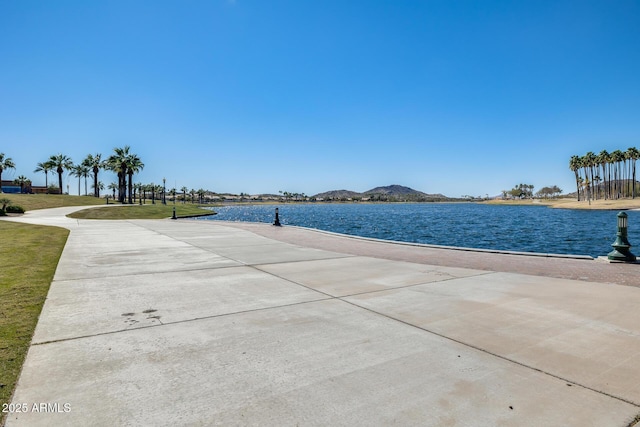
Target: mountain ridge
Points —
{"points": [[392, 192]]}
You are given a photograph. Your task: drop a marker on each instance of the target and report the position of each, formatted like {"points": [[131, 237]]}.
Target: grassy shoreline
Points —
{"points": [[28, 259]]}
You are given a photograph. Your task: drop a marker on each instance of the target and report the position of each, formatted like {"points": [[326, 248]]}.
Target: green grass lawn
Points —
{"points": [[29, 255], [157, 211], [43, 201]]}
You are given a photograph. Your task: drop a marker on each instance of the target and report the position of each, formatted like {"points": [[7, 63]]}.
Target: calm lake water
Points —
{"points": [[515, 228]]}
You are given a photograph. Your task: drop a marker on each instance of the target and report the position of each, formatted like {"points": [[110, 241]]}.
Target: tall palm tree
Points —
{"points": [[603, 160], [184, 194], [60, 162], [138, 190], [634, 155], [117, 162], [95, 163], [44, 167], [133, 165], [589, 164], [81, 171], [612, 175], [574, 165], [625, 174], [5, 163], [617, 157]]}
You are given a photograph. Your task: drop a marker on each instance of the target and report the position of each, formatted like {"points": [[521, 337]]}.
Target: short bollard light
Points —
{"points": [[174, 213], [277, 221], [621, 246]]}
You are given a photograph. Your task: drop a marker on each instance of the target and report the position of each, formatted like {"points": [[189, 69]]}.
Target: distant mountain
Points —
{"points": [[338, 194], [387, 193], [394, 190]]}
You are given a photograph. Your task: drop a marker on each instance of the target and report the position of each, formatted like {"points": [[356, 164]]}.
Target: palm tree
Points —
{"points": [[86, 170], [60, 162], [184, 194], [158, 190], [137, 190], [100, 186], [81, 171], [634, 155], [134, 165], [44, 167], [113, 187], [625, 174], [117, 162], [574, 165], [589, 164], [5, 163], [617, 157], [94, 163], [21, 181], [603, 160]]}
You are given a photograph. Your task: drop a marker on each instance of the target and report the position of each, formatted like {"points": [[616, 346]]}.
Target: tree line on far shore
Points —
{"points": [[525, 191], [606, 175], [122, 162]]}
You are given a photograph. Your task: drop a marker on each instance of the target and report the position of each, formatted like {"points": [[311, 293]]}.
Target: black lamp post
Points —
{"points": [[277, 221], [164, 191], [621, 246]]}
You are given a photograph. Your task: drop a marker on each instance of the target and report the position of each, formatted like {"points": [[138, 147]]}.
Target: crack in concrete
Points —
{"points": [[622, 399]]}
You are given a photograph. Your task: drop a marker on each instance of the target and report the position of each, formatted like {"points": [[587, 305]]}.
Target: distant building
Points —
{"points": [[9, 187]]}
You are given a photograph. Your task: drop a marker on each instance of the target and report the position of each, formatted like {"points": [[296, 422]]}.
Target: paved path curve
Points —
{"points": [[203, 323]]}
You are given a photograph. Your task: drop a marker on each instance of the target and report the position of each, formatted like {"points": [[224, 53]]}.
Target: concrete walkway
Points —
{"points": [[206, 323]]}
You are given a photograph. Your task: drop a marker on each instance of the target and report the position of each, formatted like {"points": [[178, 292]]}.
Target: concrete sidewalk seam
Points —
{"points": [[341, 298], [495, 355], [391, 288], [181, 321], [149, 273], [236, 260]]}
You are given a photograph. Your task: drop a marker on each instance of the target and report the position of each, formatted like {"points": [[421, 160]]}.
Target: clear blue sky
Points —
{"points": [[255, 96]]}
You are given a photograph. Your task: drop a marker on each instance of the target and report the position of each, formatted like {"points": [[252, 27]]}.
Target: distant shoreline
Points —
{"points": [[620, 204]]}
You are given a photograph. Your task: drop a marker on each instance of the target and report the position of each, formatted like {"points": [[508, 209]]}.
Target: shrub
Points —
{"points": [[4, 202], [15, 209]]}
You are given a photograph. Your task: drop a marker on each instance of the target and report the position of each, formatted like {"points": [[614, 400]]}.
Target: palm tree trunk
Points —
{"points": [[121, 180], [60, 178], [130, 186], [96, 189], [634, 179]]}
